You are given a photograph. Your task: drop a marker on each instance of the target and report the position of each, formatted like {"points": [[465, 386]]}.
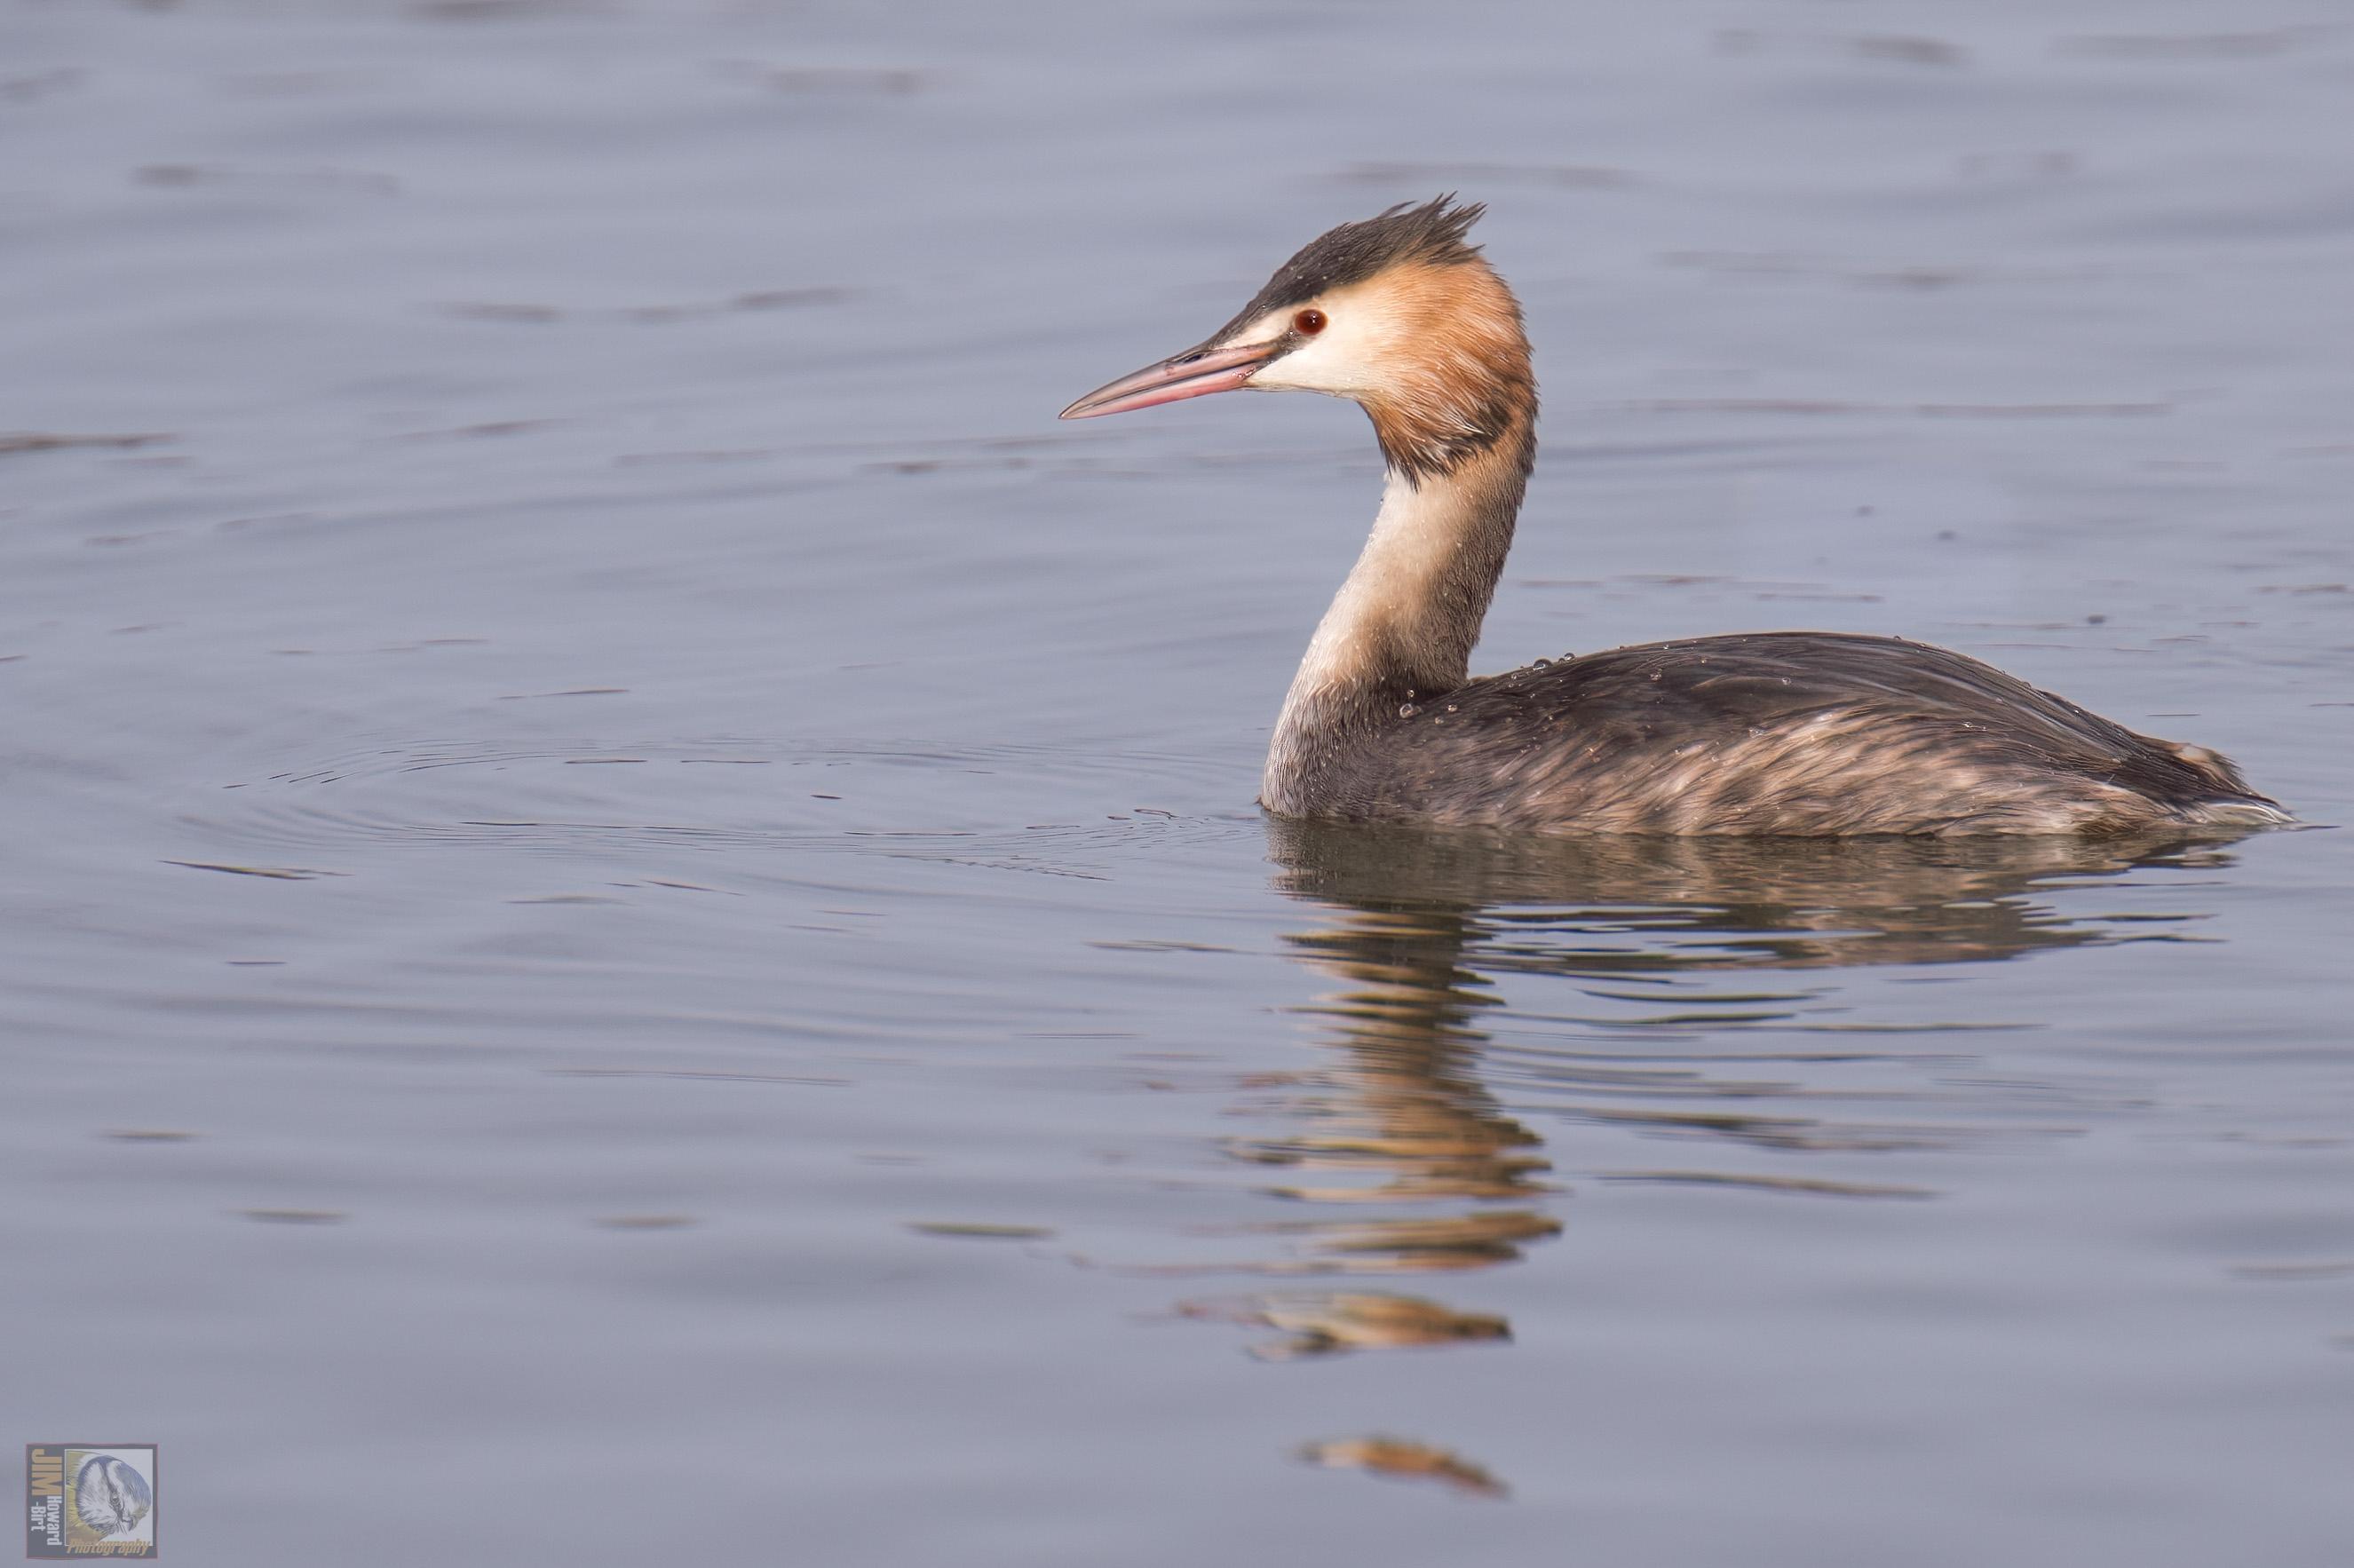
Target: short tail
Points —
{"points": [[2234, 804], [2241, 811]]}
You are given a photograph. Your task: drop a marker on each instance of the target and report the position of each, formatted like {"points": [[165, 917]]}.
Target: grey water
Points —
{"points": [[634, 922]]}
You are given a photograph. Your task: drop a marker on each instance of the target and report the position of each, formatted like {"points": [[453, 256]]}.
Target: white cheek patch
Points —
{"points": [[1321, 364], [1342, 361]]}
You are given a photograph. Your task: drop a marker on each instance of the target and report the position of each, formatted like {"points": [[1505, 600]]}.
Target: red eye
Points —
{"points": [[1310, 322]]}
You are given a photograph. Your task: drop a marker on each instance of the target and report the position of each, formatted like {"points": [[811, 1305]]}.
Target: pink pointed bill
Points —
{"points": [[1194, 374]]}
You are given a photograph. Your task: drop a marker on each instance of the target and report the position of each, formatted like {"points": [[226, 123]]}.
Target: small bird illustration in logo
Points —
{"points": [[111, 1495]]}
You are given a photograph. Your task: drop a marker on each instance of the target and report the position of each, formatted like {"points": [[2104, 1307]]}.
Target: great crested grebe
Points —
{"points": [[1811, 733]]}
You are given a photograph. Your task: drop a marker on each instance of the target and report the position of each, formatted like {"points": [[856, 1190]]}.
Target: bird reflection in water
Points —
{"points": [[1420, 927]]}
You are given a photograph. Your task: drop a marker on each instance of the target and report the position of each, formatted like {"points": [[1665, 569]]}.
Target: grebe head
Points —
{"points": [[1399, 314]]}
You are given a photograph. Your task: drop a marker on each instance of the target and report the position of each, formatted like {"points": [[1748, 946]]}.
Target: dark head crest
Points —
{"points": [[1431, 235]]}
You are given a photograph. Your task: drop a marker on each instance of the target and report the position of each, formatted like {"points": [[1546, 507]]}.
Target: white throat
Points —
{"points": [[1414, 535], [1401, 626]]}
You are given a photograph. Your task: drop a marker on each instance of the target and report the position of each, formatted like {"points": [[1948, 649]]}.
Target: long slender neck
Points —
{"points": [[1401, 628]]}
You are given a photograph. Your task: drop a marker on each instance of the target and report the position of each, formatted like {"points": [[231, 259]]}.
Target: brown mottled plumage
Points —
{"points": [[1802, 733], [1786, 732]]}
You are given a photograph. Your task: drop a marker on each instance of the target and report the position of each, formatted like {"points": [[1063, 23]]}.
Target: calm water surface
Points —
{"points": [[635, 928]]}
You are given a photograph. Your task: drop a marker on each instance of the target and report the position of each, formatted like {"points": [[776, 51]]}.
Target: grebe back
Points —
{"points": [[1806, 733]]}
